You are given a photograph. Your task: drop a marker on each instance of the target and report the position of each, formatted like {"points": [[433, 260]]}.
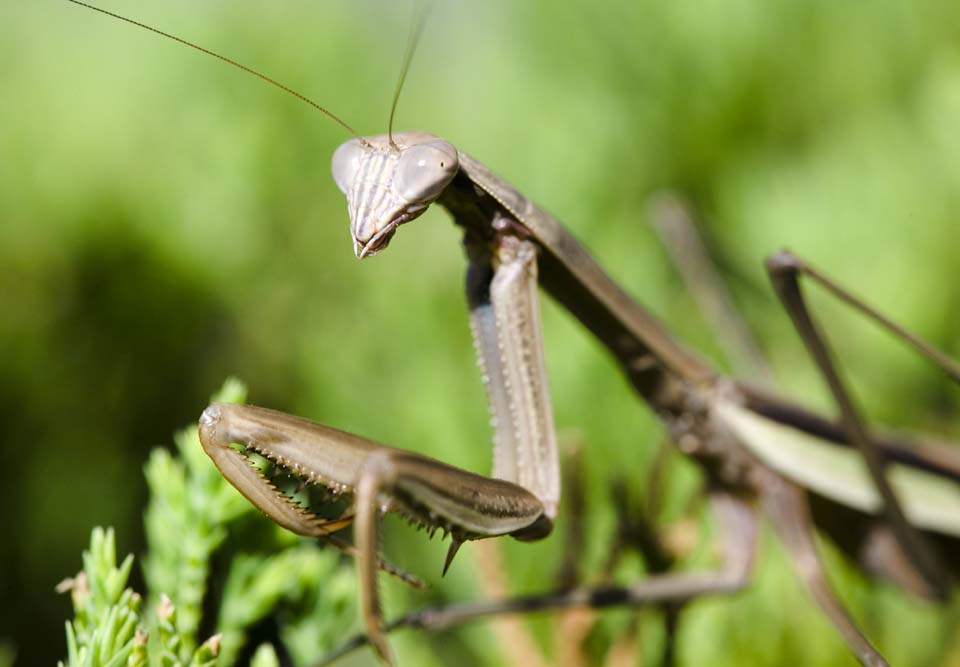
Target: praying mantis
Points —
{"points": [[752, 445]]}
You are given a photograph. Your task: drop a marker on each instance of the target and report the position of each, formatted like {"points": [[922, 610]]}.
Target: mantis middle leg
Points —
{"points": [[736, 526]]}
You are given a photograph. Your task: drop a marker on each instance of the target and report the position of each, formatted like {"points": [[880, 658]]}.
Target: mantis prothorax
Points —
{"points": [[755, 449]]}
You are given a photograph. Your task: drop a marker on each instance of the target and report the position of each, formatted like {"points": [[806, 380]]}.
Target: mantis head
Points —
{"points": [[389, 183]]}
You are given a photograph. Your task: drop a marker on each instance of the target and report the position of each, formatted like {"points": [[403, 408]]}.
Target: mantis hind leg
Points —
{"points": [[786, 506], [784, 270]]}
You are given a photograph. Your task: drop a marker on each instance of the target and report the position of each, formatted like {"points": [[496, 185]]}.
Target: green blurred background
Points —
{"points": [[166, 221]]}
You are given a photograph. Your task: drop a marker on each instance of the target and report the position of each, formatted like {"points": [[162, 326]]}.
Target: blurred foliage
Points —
{"points": [[168, 221]]}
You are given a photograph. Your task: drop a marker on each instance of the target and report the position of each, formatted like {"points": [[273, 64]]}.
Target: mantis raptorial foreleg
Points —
{"points": [[374, 478], [505, 320]]}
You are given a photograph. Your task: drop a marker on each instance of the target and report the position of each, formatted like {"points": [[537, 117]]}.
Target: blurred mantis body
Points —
{"points": [[892, 504]]}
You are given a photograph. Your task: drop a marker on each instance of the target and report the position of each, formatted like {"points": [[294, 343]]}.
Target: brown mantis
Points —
{"points": [[743, 437]]}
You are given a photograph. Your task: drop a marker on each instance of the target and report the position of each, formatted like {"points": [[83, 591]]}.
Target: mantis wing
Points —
{"points": [[930, 501]]}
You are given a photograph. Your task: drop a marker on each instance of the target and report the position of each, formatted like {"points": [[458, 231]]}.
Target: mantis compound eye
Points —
{"points": [[425, 170], [346, 163]]}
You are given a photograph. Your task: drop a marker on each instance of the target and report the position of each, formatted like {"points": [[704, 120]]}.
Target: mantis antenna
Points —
{"points": [[257, 74], [416, 29]]}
